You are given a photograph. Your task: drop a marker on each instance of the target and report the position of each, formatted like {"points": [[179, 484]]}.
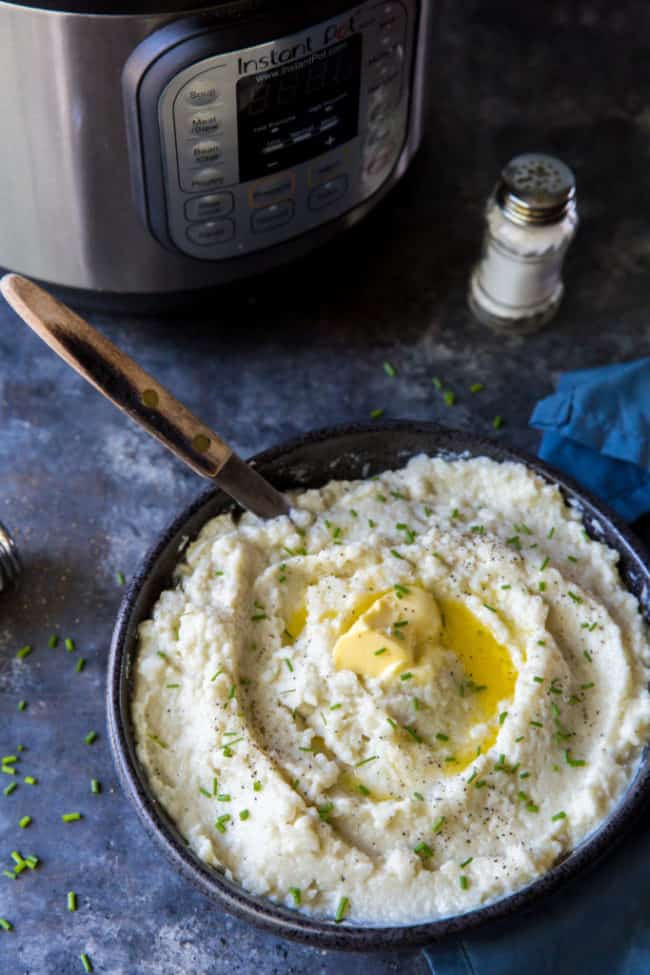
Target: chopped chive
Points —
{"points": [[5, 924], [162, 654], [30, 780], [32, 861], [69, 644], [503, 716], [532, 807], [231, 692], [423, 850], [491, 608], [520, 738], [86, 962], [72, 817], [223, 797], [466, 862], [396, 554], [572, 558], [542, 587], [514, 541], [90, 737], [575, 762], [478, 529], [325, 810], [439, 823], [558, 815], [257, 786], [296, 895], [442, 737], [544, 564], [289, 664], [541, 643], [585, 687], [120, 578], [335, 707], [536, 724], [463, 881], [407, 676], [392, 723], [390, 369], [363, 789], [480, 784], [258, 616], [365, 761], [244, 814], [587, 656], [472, 777], [476, 388], [216, 674], [9, 759], [24, 651], [497, 422], [10, 788], [24, 822], [508, 586], [381, 650], [418, 796], [538, 680], [170, 687], [413, 733], [10, 874], [204, 792], [81, 663], [574, 597], [220, 824], [341, 909], [53, 642], [551, 533], [95, 786], [449, 397], [375, 414], [72, 900], [437, 383], [156, 740]]}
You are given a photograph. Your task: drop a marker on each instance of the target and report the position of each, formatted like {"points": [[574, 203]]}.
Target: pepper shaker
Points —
{"points": [[9, 561], [531, 219]]}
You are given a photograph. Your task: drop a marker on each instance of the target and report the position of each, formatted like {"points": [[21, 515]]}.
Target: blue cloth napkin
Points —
{"points": [[597, 429]]}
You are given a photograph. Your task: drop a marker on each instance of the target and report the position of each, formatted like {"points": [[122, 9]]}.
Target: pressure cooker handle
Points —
{"points": [[117, 376]]}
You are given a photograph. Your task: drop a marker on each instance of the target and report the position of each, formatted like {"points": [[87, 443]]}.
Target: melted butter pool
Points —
{"points": [[490, 674]]}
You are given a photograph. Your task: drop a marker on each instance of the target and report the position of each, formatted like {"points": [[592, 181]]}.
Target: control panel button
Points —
{"points": [[206, 178], [271, 217], [204, 123], [202, 91], [206, 151], [271, 190], [324, 169], [328, 193], [211, 232], [213, 205]]}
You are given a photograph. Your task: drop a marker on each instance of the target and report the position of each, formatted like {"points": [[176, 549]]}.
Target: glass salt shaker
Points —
{"points": [[531, 219], [9, 561]]}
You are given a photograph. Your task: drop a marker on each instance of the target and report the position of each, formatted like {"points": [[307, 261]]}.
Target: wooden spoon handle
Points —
{"points": [[117, 376]]}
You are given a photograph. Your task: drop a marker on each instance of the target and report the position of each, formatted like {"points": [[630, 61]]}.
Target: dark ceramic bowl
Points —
{"points": [[348, 453]]}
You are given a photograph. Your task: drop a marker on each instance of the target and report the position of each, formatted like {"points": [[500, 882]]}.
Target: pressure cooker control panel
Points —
{"points": [[266, 142]]}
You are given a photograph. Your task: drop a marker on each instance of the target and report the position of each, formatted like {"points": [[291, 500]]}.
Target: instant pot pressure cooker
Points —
{"points": [[160, 145]]}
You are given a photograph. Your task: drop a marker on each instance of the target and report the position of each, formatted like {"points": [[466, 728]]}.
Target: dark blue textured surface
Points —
{"points": [[86, 493]]}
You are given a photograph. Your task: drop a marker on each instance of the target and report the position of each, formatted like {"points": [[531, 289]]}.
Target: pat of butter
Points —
{"points": [[387, 637]]}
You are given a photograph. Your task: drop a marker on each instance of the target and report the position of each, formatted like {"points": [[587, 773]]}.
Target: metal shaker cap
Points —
{"points": [[9, 561], [536, 189]]}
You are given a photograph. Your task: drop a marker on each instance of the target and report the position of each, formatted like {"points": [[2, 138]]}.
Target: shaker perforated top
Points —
{"points": [[536, 189]]}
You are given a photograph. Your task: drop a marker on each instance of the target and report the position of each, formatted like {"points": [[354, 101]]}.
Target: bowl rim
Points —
{"points": [[259, 910]]}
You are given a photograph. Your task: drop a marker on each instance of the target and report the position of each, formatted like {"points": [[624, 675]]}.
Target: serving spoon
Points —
{"points": [[141, 397]]}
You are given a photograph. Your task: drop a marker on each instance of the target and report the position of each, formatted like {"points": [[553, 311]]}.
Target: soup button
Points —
{"points": [[211, 232]]}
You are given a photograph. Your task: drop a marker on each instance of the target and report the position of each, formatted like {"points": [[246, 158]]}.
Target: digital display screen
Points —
{"points": [[292, 111]]}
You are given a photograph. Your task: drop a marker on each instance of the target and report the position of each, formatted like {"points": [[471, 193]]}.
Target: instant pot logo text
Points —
{"points": [[337, 31]]}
